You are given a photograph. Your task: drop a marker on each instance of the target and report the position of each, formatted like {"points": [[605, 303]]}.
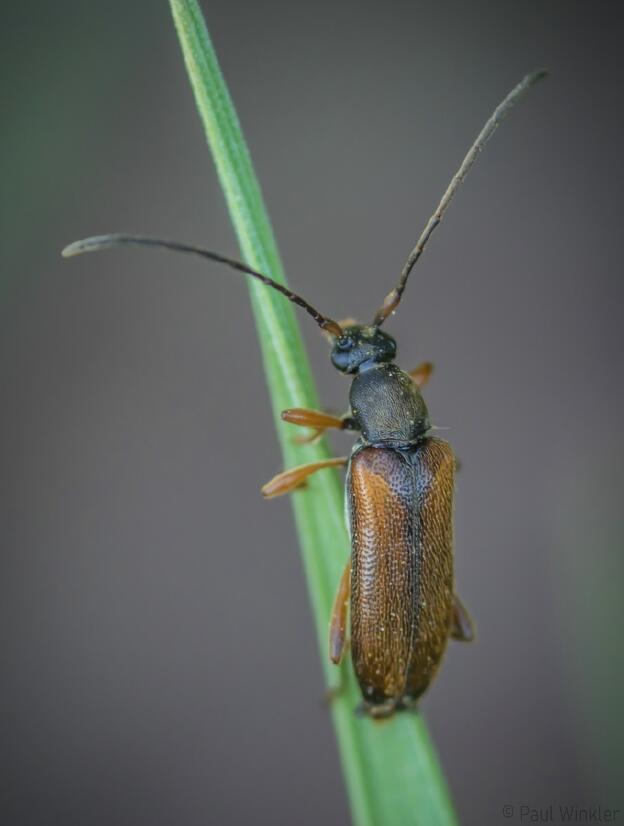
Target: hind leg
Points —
{"points": [[338, 629], [378, 711], [462, 625], [338, 623]]}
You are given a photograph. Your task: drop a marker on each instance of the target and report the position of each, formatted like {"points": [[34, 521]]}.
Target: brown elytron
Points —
{"points": [[399, 505]]}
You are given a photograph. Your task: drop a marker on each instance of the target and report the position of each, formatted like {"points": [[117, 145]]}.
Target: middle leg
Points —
{"points": [[293, 478]]}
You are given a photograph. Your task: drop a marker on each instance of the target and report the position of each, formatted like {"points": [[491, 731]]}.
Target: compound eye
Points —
{"points": [[344, 344]]}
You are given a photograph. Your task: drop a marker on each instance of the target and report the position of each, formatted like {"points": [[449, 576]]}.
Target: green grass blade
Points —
{"points": [[391, 771]]}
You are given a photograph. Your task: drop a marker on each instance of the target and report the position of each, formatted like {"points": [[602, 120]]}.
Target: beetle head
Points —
{"points": [[361, 346]]}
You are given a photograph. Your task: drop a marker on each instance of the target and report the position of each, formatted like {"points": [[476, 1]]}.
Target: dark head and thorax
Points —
{"points": [[385, 403]]}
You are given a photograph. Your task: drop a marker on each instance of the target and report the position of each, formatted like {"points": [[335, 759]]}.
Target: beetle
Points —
{"points": [[398, 582]]}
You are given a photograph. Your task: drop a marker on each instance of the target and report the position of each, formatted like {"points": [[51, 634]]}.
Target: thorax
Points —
{"points": [[388, 407]]}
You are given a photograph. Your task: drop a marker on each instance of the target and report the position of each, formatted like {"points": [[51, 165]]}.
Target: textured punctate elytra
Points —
{"points": [[399, 505]]}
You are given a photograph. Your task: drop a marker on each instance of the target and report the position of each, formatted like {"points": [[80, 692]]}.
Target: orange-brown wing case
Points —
{"points": [[399, 505]]}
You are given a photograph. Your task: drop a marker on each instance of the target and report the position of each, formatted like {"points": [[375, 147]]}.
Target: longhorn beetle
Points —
{"points": [[399, 484]]}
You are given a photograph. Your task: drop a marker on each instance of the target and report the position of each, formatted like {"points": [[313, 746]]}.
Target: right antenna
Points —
{"points": [[393, 299]]}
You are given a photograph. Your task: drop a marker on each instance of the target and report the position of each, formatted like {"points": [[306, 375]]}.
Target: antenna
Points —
{"points": [[393, 299], [101, 242]]}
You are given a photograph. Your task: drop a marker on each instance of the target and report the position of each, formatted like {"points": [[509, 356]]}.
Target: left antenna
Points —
{"points": [[102, 242]]}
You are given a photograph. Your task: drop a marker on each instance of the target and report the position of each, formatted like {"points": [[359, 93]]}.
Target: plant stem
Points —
{"points": [[391, 770]]}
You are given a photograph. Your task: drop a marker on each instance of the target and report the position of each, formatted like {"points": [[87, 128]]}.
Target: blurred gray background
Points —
{"points": [[159, 663]]}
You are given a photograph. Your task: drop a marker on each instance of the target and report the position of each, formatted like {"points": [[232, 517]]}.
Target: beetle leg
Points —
{"points": [[347, 422], [462, 626], [312, 439], [420, 375], [338, 622], [317, 420], [379, 711], [294, 477]]}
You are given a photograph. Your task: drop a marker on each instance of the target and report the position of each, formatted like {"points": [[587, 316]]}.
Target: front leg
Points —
{"points": [[420, 375], [318, 421]]}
